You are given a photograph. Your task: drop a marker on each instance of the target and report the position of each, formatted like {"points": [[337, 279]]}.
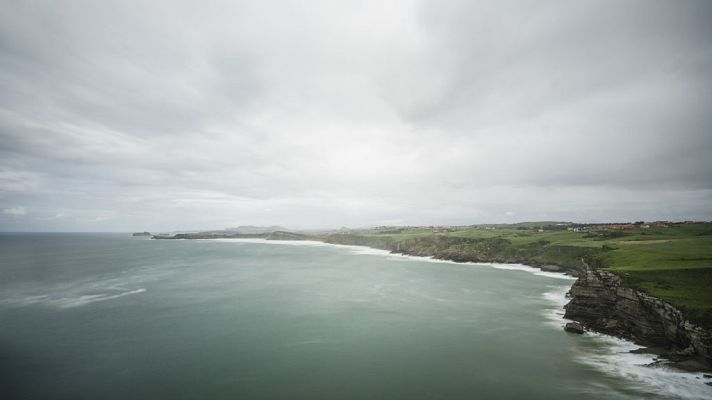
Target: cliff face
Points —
{"points": [[600, 301], [463, 249]]}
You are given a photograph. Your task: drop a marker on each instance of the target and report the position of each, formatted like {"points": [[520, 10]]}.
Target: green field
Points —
{"points": [[672, 261]]}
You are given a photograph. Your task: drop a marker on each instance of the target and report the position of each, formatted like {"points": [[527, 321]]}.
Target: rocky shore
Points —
{"points": [[602, 302]]}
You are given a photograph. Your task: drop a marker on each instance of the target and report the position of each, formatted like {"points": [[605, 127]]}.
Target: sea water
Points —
{"points": [[109, 316]]}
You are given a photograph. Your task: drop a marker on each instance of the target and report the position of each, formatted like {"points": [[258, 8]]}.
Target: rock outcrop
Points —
{"points": [[574, 327], [601, 301]]}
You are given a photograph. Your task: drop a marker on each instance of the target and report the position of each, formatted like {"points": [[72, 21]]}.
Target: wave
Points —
{"points": [[531, 270], [612, 356], [72, 300], [554, 316], [69, 302]]}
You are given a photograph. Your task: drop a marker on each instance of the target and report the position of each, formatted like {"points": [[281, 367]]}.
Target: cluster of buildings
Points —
{"points": [[629, 226]]}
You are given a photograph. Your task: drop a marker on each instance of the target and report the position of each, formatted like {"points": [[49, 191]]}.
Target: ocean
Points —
{"points": [[110, 316]]}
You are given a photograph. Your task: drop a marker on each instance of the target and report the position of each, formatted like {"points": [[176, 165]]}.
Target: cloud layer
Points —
{"points": [[127, 116]]}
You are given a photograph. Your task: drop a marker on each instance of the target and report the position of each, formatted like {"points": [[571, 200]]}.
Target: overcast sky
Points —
{"points": [[167, 115]]}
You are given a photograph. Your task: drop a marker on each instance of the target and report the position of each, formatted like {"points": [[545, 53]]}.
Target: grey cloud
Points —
{"points": [[611, 92], [174, 115], [111, 64]]}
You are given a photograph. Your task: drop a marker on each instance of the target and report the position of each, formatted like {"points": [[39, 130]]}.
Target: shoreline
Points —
{"points": [[674, 353], [659, 357], [536, 270], [607, 354], [601, 302], [663, 357]]}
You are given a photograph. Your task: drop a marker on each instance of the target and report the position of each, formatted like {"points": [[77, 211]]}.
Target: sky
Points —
{"points": [[178, 115]]}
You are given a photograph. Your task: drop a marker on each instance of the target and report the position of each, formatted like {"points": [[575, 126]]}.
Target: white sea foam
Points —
{"points": [[369, 251], [82, 300], [612, 356], [19, 301], [554, 316], [70, 298], [531, 270]]}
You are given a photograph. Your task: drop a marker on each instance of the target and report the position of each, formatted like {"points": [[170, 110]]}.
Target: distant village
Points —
{"points": [[540, 227]]}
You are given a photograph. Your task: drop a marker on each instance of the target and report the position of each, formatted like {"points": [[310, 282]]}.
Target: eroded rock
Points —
{"points": [[574, 327], [601, 301]]}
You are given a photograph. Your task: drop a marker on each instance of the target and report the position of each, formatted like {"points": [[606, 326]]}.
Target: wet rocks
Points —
{"points": [[600, 301], [574, 327]]}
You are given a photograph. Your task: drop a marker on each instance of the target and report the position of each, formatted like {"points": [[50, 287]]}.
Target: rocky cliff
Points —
{"points": [[601, 301], [539, 254]]}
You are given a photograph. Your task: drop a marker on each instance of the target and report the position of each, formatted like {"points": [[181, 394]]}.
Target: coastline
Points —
{"points": [[674, 357], [380, 289], [608, 354], [601, 301], [605, 305]]}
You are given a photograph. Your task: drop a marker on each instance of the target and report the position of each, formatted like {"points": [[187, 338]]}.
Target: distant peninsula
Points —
{"points": [[275, 235]]}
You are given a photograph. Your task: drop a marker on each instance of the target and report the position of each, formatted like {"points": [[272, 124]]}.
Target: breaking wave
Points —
{"points": [[612, 356], [70, 300]]}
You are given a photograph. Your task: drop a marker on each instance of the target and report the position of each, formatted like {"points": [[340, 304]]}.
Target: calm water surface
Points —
{"points": [[113, 317]]}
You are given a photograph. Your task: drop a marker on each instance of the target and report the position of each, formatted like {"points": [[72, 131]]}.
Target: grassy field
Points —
{"points": [[670, 261]]}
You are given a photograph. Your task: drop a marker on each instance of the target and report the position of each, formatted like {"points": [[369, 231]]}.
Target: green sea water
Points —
{"points": [[108, 316]]}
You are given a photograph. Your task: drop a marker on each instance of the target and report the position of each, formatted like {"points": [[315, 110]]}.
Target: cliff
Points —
{"points": [[601, 301], [539, 254]]}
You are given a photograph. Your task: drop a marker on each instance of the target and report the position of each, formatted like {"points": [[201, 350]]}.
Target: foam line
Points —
{"points": [[611, 356], [364, 250]]}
